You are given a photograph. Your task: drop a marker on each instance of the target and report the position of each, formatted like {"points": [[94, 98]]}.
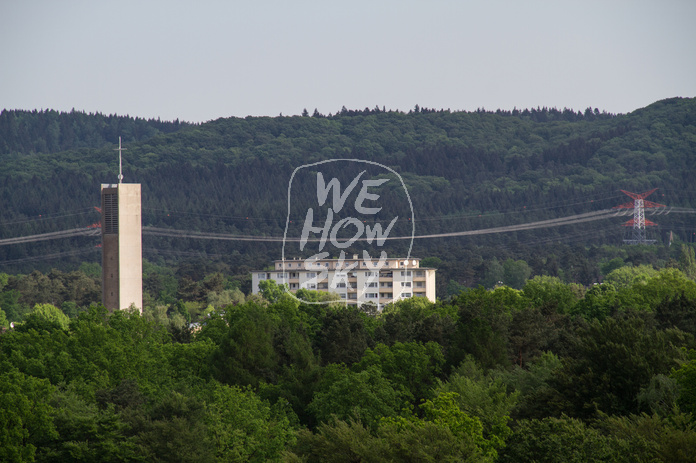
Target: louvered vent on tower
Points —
{"points": [[110, 208]]}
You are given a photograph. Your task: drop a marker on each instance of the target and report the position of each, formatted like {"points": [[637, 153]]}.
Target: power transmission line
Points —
{"points": [[51, 236], [174, 233], [570, 220], [56, 255]]}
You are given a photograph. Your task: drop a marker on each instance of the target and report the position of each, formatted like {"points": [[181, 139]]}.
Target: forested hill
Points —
{"points": [[464, 171], [533, 369], [51, 131]]}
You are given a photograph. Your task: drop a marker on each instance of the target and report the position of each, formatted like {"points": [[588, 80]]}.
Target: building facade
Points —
{"points": [[354, 280], [122, 249]]}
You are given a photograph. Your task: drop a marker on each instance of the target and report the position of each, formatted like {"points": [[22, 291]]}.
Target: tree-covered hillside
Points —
{"points": [[52, 132], [552, 373], [572, 350], [464, 171]]}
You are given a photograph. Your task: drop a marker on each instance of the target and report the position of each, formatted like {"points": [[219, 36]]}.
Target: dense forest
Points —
{"points": [[553, 372], [548, 344], [464, 171]]}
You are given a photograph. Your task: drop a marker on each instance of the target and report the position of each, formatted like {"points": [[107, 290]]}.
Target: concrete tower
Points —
{"points": [[122, 249], [122, 243]]}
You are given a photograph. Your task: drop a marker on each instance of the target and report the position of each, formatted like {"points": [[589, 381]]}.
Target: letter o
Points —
{"points": [[344, 223]]}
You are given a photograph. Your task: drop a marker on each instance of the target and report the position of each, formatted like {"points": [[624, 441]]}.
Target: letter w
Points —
{"points": [[377, 231], [338, 198]]}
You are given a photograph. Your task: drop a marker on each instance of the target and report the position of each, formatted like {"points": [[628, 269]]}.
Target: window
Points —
{"points": [[282, 276], [405, 273], [262, 276], [420, 273], [386, 284], [311, 274], [352, 296], [371, 285], [405, 284], [311, 285], [370, 274], [340, 285], [343, 295], [371, 295], [405, 294], [420, 284], [419, 294]]}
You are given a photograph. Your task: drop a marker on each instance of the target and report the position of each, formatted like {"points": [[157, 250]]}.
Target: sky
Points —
{"points": [[202, 60]]}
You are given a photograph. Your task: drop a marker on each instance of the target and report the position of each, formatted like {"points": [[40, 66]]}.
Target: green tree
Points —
{"points": [[483, 324], [246, 352], [91, 269], [412, 367], [50, 314], [272, 291], [25, 415], [600, 301], [70, 309], [417, 319], [482, 396], [653, 437], [687, 261], [9, 302], [338, 442], [531, 332], [3, 320], [244, 428], [175, 431], [559, 439], [343, 337], [679, 312], [429, 441], [625, 277], [659, 396], [611, 265], [685, 376], [86, 434], [225, 298], [103, 348], [647, 294], [454, 288], [366, 396], [614, 360], [493, 274], [515, 273], [445, 433], [546, 291], [532, 384]]}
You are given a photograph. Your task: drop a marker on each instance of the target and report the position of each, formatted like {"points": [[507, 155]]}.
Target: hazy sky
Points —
{"points": [[200, 60]]}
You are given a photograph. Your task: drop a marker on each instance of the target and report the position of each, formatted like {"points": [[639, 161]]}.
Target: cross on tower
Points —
{"points": [[120, 165]]}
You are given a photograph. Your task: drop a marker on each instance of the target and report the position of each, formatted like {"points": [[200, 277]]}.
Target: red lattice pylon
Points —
{"points": [[639, 222]]}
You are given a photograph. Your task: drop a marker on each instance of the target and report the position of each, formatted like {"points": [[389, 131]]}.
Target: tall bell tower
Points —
{"points": [[122, 249]]}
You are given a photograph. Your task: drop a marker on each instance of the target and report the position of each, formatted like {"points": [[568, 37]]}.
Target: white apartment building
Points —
{"points": [[354, 280]]}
